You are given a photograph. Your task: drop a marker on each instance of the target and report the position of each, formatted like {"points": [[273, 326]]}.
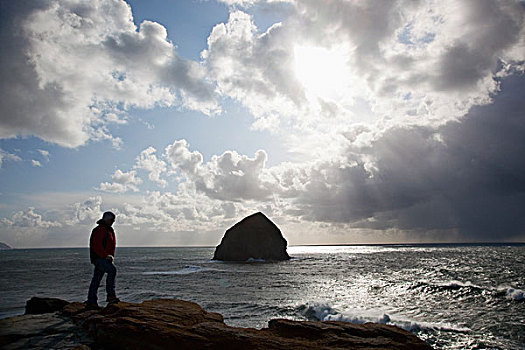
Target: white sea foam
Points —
{"points": [[324, 312], [515, 294], [450, 285], [416, 326], [454, 284], [185, 271]]}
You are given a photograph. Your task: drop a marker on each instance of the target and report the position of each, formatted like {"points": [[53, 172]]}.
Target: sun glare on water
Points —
{"points": [[322, 72]]}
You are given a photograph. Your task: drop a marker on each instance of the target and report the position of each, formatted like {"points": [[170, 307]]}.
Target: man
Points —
{"points": [[102, 245]]}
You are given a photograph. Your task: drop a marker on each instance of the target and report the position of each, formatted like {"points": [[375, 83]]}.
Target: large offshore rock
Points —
{"points": [[254, 237]]}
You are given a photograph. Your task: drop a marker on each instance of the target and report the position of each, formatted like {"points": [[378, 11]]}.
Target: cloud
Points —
{"points": [[464, 177], [147, 160], [426, 49], [36, 163], [164, 211], [58, 223], [8, 156], [490, 30], [181, 158], [86, 212], [44, 154], [461, 181], [249, 3], [209, 194], [29, 219], [251, 68], [421, 141], [45, 46], [179, 213], [230, 176], [122, 182], [408, 63], [404, 63]]}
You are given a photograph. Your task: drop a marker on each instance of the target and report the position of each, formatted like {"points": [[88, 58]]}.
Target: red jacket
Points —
{"points": [[102, 242]]}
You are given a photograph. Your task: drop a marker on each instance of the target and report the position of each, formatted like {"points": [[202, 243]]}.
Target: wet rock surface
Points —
{"points": [[36, 305], [254, 237], [43, 331], [171, 323]]}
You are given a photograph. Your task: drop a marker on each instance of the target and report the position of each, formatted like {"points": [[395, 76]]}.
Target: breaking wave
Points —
{"points": [[456, 285], [510, 293], [188, 269], [324, 312], [514, 294], [452, 285]]}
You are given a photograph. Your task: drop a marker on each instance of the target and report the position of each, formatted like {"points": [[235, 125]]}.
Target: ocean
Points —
{"points": [[452, 296]]}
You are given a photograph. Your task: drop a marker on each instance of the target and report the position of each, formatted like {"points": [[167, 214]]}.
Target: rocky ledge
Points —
{"points": [[178, 324]]}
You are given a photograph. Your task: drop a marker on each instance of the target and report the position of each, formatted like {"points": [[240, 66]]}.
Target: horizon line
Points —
{"points": [[295, 245]]}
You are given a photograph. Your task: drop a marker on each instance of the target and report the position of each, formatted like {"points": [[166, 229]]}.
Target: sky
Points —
{"points": [[345, 122]]}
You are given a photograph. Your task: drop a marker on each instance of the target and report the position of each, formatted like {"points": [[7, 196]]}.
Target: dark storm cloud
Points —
{"points": [[467, 176], [493, 28]]}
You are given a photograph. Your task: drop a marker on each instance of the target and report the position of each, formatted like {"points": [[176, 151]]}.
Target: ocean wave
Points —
{"points": [[324, 312], [455, 285], [418, 326], [452, 285], [189, 269], [253, 260], [515, 294], [510, 293]]}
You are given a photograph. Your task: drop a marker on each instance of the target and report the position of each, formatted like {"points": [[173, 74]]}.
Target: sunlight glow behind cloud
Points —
{"points": [[323, 72]]}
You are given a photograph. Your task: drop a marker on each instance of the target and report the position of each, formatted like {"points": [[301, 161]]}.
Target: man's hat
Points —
{"points": [[108, 216]]}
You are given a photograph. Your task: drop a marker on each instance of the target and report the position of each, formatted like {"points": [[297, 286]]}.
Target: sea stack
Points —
{"points": [[254, 237]]}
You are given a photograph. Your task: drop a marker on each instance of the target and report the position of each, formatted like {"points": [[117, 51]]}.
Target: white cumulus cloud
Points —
{"points": [[8, 156], [81, 64], [122, 182], [147, 160], [230, 176], [396, 63], [86, 212], [44, 154], [29, 218]]}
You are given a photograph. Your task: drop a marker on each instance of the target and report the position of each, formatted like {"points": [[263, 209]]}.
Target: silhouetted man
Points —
{"points": [[102, 245]]}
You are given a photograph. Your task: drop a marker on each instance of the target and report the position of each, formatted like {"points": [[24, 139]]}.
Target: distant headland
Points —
{"points": [[4, 246]]}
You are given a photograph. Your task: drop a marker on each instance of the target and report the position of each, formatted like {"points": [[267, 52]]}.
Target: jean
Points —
{"points": [[102, 266]]}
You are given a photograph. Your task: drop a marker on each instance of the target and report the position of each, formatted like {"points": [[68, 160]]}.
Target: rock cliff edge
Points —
{"points": [[178, 324]]}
